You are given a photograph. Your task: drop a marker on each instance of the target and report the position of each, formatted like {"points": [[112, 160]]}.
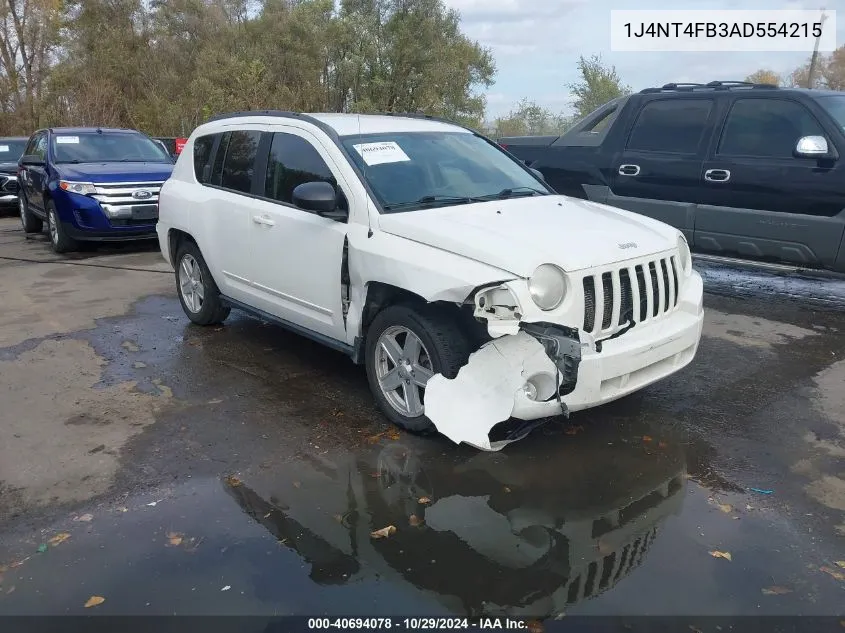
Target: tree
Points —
{"points": [[530, 119], [764, 76], [598, 85], [829, 74]]}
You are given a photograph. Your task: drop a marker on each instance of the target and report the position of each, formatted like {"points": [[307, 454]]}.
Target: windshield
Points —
{"points": [[106, 148], [11, 151], [414, 170], [835, 105]]}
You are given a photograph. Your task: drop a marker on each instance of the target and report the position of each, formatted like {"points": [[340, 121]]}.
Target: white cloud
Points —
{"points": [[536, 44]]}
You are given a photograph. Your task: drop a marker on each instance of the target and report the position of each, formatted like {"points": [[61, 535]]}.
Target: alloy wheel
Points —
{"points": [[190, 283], [403, 368]]}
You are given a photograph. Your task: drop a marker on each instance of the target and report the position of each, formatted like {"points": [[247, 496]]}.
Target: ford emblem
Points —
{"points": [[142, 194]]}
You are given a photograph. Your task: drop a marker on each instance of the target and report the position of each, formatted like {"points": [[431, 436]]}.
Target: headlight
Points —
{"points": [[547, 286], [83, 188]]}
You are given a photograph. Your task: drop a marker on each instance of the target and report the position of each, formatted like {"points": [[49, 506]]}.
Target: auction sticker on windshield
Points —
{"points": [[67, 139], [4, 148], [379, 153]]}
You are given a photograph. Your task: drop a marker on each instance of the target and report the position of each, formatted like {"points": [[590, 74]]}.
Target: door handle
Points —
{"points": [[629, 170], [717, 175], [263, 219]]}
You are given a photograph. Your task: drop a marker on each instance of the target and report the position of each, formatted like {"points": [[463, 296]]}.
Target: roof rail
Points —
{"points": [[328, 129], [713, 85]]}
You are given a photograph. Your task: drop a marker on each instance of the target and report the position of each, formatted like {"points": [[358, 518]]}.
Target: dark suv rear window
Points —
{"points": [[670, 125]]}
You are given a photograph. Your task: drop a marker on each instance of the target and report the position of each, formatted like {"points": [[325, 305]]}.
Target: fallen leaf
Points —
{"points": [[840, 563], [10, 590], [215, 401], [233, 481], [393, 435], [123, 509], [573, 430], [266, 516], [296, 484], [414, 520], [226, 588], [717, 554], [836, 574], [85, 518], [647, 438], [93, 601], [21, 562], [776, 591], [373, 439], [129, 345], [153, 504], [534, 626], [139, 365], [748, 507], [725, 507], [338, 518], [662, 445], [383, 532], [506, 489], [174, 539], [425, 500]]}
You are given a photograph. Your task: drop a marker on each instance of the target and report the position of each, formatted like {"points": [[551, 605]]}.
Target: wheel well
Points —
{"points": [[175, 238], [381, 295]]}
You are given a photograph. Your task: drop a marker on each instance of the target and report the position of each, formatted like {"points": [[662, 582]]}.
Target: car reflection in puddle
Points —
{"points": [[513, 533]]}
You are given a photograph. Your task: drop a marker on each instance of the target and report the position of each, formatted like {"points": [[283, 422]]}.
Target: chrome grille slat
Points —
{"points": [[639, 291]]}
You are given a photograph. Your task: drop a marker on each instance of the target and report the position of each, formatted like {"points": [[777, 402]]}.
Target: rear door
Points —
{"points": [[758, 200], [658, 171]]}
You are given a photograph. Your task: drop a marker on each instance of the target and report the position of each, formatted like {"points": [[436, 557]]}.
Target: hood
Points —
{"points": [[518, 235], [7, 167], [114, 172]]}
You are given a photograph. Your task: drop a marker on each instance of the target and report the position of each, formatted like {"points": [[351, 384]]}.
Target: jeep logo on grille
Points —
{"points": [[628, 245], [142, 194]]}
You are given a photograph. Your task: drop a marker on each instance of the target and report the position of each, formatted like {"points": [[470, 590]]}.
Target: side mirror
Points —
{"points": [[32, 159], [812, 147], [320, 198]]}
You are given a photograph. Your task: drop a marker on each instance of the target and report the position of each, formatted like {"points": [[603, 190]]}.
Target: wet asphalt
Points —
{"points": [[243, 470]]}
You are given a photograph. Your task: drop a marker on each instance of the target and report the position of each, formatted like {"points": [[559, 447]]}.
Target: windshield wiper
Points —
{"points": [[432, 200], [514, 192]]}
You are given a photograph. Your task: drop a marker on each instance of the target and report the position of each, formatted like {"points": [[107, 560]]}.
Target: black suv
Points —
{"points": [[11, 149], [745, 170]]}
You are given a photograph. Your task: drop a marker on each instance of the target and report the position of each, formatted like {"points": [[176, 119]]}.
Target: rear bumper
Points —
{"points": [[144, 232]]}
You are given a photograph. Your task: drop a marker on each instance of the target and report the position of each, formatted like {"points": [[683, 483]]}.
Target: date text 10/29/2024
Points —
{"points": [[423, 624]]}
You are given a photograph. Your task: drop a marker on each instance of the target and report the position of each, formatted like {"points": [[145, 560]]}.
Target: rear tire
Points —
{"points": [[59, 239], [31, 224], [198, 294], [444, 350]]}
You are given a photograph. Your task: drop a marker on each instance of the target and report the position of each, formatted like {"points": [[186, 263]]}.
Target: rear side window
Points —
{"points": [[293, 161], [239, 163], [671, 125], [767, 128], [217, 167], [202, 157]]}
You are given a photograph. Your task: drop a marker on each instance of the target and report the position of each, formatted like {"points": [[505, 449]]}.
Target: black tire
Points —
{"points": [[447, 346], [31, 223], [59, 239], [211, 311]]}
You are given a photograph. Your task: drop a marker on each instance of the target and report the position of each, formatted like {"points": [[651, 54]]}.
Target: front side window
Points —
{"points": [[766, 128], [414, 170], [835, 106], [40, 146], [292, 162], [239, 163], [11, 151], [670, 125], [111, 147]]}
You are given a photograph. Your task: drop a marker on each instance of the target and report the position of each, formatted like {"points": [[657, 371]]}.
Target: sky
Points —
{"points": [[536, 44]]}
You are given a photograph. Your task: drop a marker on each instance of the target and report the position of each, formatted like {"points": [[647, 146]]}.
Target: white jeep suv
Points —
{"points": [[479, 301]]}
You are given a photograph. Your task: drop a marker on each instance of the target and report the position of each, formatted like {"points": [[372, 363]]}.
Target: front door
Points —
{"points": [[297, 255], [658, 172], [760, 201], [34, 177]]}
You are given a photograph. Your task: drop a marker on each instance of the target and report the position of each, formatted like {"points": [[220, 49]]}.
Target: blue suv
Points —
{"points": [[91, 184]]}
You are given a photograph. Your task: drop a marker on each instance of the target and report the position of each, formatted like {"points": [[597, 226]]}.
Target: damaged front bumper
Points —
{"points": [[546, 370]]}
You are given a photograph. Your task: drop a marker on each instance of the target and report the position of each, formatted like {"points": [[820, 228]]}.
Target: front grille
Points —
{"points": [[121, 200], [638, 293], [8, 184]]}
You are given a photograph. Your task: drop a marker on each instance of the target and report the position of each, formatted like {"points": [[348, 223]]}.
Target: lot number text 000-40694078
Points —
{"points": [[719, 31]]}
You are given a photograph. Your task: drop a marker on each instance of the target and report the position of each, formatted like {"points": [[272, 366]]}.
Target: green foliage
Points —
{"points": [[530, 119], [598, 85], [164, 66]]}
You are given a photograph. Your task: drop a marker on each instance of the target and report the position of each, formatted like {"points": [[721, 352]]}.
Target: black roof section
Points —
{"points": [[713, 85]]}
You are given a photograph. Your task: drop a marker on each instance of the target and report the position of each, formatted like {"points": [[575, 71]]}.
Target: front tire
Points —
{"points": [[59, 239], [405, 347], [198, 294], [31, 223]]}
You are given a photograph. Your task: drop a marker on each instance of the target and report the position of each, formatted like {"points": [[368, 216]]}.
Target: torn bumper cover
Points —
{"points": [[547, 370]]}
